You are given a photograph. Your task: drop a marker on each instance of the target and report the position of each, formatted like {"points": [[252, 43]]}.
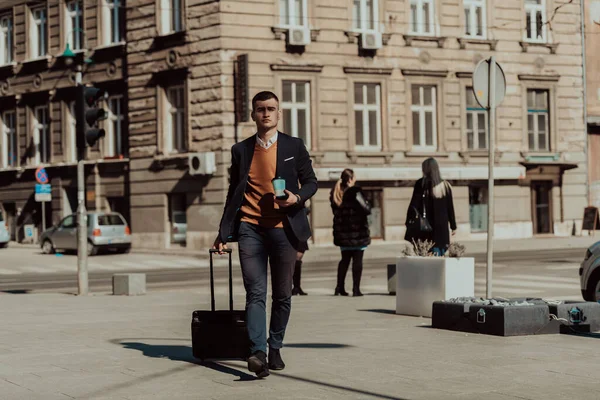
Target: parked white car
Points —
{"points": [[105, 231], [589, 273], [4, 233]]}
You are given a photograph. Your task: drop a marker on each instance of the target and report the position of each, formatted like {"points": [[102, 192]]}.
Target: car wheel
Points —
{"points": [[3, 245], [593, 287], [91, 249], [47, 247]]}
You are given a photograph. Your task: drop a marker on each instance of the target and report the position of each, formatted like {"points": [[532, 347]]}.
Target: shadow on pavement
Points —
{"points": [[380, 311], [334, 386], [316, 345], [183, 353], [16, 291]]}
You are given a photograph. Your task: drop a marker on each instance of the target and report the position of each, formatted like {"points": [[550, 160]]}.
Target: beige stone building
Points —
{"points": [[37, 122], [374, 85], [592, 49]]}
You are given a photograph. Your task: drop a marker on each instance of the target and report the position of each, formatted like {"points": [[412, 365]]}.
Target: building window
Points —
{"points": [[364, 15], [74, 24], [538, 120], [375, 199], [424, 119], [476, 123], [421, 17], [296, 110], [535, 11], [171, 16], [111, 21], [115, 127], [178, 218], [71, 153], [6, 40], [175, 137], [41, 135], [367, 115], [475, 18], [478, 204], [293, 12], [37, 36], [9, 139]]}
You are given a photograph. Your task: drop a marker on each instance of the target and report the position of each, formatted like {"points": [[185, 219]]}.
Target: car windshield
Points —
{"points": [[110, 219], [179, 218]]}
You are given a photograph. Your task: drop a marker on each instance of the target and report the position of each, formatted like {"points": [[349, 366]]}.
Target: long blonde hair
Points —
{"points": [[433, 178], [337, 193]]}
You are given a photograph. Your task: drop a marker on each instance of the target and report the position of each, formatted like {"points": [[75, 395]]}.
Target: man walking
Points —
{"points": [[267, 229]]}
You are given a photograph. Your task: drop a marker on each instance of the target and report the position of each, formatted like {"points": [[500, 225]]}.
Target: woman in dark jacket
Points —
{"points": [[350, 229], [435, 194]]}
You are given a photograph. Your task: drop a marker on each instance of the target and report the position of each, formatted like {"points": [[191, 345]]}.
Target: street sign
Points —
{"points": [[481, 83], [489, 88], [43, 192], [41, 176], [28, 228]]}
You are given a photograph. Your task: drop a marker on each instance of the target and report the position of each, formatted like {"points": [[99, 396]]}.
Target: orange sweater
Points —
{"points": [[259, 207]]}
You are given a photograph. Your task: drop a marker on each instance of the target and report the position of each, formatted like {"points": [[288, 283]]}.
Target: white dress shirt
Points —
{"points": [[268, 143]]}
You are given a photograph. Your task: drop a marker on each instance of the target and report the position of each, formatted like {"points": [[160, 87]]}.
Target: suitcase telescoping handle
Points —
{"points": [[212, 281]]}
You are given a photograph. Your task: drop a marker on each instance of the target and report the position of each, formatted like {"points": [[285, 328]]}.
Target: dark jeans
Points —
{"points": [[257, 246], [357, 266]]}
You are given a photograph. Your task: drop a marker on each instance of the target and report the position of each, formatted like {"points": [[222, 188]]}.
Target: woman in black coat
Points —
{"points": [[435, 195], [350, 229]]}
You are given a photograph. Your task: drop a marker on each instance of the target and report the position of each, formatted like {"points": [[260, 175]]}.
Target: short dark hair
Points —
{"points": [[263, 96]]}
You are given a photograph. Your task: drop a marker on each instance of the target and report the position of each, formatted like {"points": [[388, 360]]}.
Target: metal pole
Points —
{"points": [[82, 272], [588, 188], [43, 204], [491, 147]]}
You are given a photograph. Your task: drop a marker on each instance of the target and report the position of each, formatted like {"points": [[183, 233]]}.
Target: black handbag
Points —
{"points": [[418, 227]]}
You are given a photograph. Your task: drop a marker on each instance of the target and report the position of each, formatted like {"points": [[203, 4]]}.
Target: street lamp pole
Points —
{"points": [[82, 271]]}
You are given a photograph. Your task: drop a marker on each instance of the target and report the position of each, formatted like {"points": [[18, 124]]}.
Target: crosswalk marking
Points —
{"points": [[5, 271], [36, 269], [507, 290], [543, 285], [537, 278], [563, 267]]}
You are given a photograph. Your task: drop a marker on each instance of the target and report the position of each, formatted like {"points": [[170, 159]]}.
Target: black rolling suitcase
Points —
{"points": [[220, 333]]}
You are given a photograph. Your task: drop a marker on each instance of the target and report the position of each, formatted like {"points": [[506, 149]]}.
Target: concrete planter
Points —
{"points": [[422, 280]]}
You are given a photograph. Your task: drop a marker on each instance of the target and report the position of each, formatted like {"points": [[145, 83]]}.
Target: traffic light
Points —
{"points": [[87, 116]]}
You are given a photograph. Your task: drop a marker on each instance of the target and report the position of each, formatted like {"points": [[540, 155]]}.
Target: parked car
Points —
{"points": [[105, 231], [179, 227], [4, 233], [589, 273]]}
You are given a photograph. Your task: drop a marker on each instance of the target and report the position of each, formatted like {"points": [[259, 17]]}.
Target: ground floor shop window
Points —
{"points": [[375, 199], [178, 219], [478, 205]]}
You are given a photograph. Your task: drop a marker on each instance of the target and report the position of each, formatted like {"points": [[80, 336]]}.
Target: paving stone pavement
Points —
{"points": [[100, 347]]}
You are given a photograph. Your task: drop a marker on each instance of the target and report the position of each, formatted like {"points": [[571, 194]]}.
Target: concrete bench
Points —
{"points": [[129, 284]]}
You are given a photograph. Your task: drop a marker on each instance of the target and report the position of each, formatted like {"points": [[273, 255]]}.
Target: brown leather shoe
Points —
{"points": [[257, 363]]}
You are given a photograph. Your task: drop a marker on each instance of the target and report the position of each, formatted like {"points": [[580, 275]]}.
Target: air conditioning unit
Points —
{"points": [[299, 36], [370, 40], [202, 163]]}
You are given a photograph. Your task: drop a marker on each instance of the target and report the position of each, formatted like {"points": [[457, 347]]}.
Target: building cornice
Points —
{"points": [[421, 72], [539, 78], [296, 68], [368, 70]]}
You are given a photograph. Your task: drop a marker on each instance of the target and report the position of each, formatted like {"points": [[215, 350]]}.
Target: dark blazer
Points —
{"points": [[440, 213], [293, 164], [350, 222]]}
